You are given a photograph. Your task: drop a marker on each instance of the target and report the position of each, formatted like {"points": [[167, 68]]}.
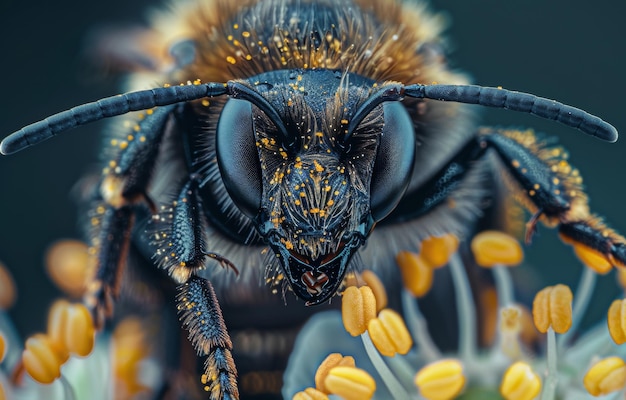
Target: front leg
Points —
{"points": [[182, 252], [123, 187], [202, 317], [552, 190]]}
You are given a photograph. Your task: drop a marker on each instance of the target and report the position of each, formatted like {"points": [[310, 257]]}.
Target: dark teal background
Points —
{"points": [[570, 50]]}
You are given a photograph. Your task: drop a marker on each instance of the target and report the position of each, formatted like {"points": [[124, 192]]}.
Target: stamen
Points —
{"points": [[520, 382], [417, 274], [584, 291], [358, 307], [418, 326], [333, 360], [441, 380], [3, 347], [395, 387], [437, 250], [69, 265], [605, 376], [591, 258], [551, 372], [493, 248], [57, 327], [350, 383], [616, 321], [40, 359], [310, 394], [8, 290], [552, 306], [129, 350], [389, 333], [510, 328], [465, 307], [377, 287], [80, 332]]}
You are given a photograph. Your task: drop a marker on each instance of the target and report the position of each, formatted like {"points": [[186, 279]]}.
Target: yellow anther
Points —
{"points": [[592, 259], [520, 382], [588, 256], [358, 307], [511, 319], [441, 380], [310, 394], [377, 287], [3, 346], [417, 275], [616, 321], [8, 290], [350, 383], [552, 306], [333, 360], [437, 250], [492, 248], [129, 349], [41, 360], [57, 328], [389, 333], [70, 265], [80, 333], [605, 376]]}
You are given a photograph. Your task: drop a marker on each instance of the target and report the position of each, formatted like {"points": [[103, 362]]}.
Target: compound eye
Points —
{"points": [[237, 156], [394, 160]]}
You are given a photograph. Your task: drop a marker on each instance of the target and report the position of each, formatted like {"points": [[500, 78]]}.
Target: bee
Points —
{"points": [[296, 141]]}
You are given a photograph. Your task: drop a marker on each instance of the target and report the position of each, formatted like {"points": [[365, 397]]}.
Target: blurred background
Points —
{"points": [[569, 50]]}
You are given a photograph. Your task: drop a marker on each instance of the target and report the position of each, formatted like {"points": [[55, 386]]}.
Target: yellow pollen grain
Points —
{"points": [[123, 144]]}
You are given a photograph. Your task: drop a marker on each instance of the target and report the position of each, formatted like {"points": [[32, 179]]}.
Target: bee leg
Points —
{"points": [[183, 253], [181, 244], [552, 191], [122, 188], [202, 317]]}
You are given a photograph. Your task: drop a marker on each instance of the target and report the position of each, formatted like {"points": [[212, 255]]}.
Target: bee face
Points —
{"points": [[314, 168]]}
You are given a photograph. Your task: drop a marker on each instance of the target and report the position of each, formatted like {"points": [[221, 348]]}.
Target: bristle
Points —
{"points": [[201, 316]]}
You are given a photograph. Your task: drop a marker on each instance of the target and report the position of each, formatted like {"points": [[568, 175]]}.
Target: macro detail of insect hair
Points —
{"points": [[201, 316], [142, 100], [182, 248]]}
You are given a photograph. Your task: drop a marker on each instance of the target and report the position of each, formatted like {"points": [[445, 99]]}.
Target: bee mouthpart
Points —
{"points": [[315, 281]]}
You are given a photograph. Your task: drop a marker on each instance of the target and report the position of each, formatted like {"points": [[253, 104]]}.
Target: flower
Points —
{"points": [[67, 362], [518, 363]]}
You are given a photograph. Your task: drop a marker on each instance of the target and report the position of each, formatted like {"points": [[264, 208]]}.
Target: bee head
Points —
{"points": [[315, 161]]}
